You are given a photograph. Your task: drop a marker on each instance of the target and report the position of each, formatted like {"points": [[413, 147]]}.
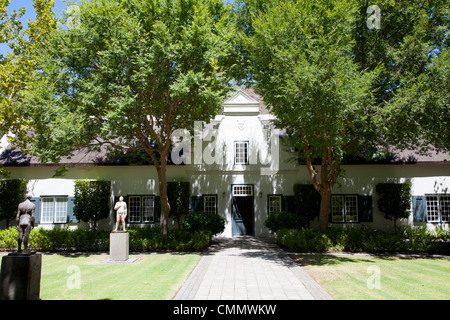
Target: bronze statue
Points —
{"points": [[25, 222]]}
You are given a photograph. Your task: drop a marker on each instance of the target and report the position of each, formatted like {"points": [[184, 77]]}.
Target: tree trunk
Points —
{"points": [[328, 175], [165, 206], [325, 198]]}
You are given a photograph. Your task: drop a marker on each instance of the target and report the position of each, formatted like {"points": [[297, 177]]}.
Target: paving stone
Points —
{"points": [[248, 268]]}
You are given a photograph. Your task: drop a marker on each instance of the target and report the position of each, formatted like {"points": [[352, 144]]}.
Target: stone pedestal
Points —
{"points": [[119, 244], [20, 277]]}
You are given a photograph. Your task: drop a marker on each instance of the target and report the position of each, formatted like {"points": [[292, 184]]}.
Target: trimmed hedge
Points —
{"points": [[303, 240], [201, 221], [284, 220], [145, 239], [151, 239], [408, 240]]}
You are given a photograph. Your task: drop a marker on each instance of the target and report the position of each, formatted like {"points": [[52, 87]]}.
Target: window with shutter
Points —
{"points": [[437, 208], [350, 208], [141, 208], [210, 203], [273, 203], [54, 209], [241, 152]]}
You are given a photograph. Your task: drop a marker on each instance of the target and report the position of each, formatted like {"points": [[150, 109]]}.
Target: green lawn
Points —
{"points": [[152, 277], [362, 277]]}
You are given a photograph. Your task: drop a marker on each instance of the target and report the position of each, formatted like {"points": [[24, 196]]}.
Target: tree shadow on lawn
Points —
{"points": [[320, 260], [331, 259], [75, 254]]}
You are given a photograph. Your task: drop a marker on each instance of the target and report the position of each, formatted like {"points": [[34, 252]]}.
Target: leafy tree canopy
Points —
{"points": [[127, 74], [17, 66]]}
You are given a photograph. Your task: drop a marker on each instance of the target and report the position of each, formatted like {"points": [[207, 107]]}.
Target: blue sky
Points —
{"points": [[60, 6]]}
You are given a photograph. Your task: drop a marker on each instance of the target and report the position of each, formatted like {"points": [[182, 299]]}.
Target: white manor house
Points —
{"points": [[240, 170]]}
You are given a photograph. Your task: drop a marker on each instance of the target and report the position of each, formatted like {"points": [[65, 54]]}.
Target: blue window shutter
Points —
{"points": [[37, 210], [196, 203], [157, 210], [288, 204], [70, 215], [329, 213], [420, 208], [365, 212]]}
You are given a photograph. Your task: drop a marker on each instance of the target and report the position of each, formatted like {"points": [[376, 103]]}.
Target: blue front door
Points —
{"points": [[242, 216]]}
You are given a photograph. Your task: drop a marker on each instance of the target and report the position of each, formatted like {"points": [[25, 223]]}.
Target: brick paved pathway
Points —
{"points": [[246, 268]]}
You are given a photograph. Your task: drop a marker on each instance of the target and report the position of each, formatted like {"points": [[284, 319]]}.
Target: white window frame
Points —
{"points": [[210, 203], [148, 209], [344, 208], [337, 208], [55, 210], [274, 202], [438, 207], [141, 208], [242, 190], [241, 152]]}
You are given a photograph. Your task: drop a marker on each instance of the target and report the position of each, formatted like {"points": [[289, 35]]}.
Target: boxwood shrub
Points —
{"points": [[284, 220], [303, 240], [203, 221], [408, 240], [145, 239]]}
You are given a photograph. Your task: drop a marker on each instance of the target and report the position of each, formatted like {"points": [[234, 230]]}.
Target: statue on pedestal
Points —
{"points": [[25, 222], [121, 208]]}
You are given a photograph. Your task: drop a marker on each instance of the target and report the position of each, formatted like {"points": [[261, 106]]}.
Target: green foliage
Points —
{"points": [[284, 220], [17, 66], [307, 201], [412, 47], [92, 200], [394, 200], [179, 196], [420, 240], [199, 221], [409, 240], [12, 192], [57, 240], [303, 240], [418, 115], [301, 55], [151, 239], [301, 52], [128, 76], [145, 239], [8, 238]]}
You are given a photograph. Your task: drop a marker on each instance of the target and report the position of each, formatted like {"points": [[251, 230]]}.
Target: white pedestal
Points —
{"points": [[119, 244]]}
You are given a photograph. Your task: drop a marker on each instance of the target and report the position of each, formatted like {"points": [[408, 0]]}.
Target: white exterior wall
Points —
{"points": [[358, 179]]}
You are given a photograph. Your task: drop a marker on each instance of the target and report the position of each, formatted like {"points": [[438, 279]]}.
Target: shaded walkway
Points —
{"points": [[246, 268]]}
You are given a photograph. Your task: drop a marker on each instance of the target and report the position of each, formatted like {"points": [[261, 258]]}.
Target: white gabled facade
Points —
{"points": [[240, 169]]}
